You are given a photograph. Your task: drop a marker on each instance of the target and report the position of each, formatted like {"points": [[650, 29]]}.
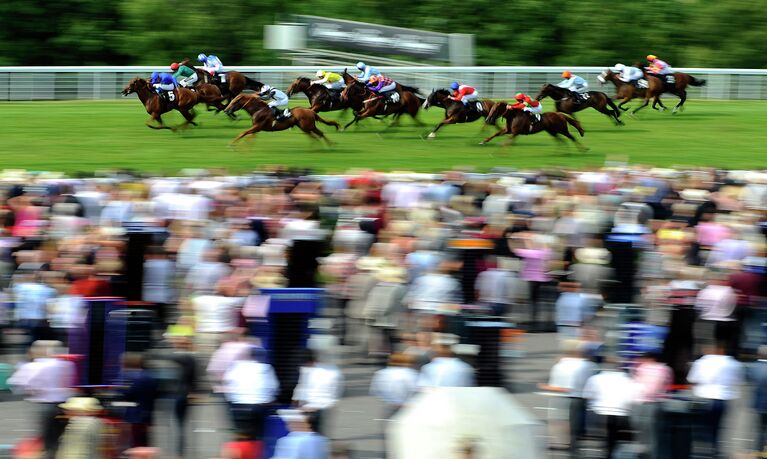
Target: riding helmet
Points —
{"points": [[651, 57], [454, 86], [265, 88], [360, 65], [320, 73], [201, 57], [174, 66], [520, 96], [567, 74]]}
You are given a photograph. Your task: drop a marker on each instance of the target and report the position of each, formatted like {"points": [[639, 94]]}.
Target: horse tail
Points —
{"points": [[696, 82], [574, 123], [412, 89], [252, 84], [327, 122]]}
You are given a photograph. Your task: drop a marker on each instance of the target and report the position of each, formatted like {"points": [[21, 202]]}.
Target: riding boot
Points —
{"points": [[276, 115]]}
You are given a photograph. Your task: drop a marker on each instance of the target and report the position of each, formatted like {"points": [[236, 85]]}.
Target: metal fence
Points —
{"points": [[67, 83]]}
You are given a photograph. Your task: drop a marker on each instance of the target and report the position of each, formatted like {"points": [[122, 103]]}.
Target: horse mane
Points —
{"points": [[302, 79], [443, 91]]}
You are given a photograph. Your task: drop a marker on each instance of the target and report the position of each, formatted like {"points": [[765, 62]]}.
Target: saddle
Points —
{"points": [[168, 97], [280, 114], [334, 96], [580, 98], [476, 107], [391, 97]]}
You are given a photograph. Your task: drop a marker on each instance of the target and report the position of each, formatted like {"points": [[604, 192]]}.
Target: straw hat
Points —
{"points": [[692, 194], [370, 263], [82, 404]]}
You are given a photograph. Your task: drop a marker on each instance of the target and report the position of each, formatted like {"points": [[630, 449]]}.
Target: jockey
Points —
{"points": [[657, 66], [527, 104], [279, 102], [211, 64], [628, 73], [463, 93], [383, 85], [186, 76], [164, 84], [366, 71], [330, 80], [573, 83]]}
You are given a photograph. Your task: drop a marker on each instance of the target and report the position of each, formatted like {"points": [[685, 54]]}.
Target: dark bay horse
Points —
{"points": [[263, 119], [564, 102], [321, 99], [234, 82], [185, 99], [455, 112], [374, 104], [519, 122]]}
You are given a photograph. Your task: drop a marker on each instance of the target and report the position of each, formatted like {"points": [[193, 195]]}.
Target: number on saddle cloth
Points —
{"points": [[670, 79], [478, 106], [222, 78], [171, 96], [392, 96], [642, 83]]}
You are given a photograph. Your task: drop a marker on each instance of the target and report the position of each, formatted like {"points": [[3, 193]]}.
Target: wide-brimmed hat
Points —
{"points": [[693, 194], [292, 415], [370, 263], [82, 404], [593, 255]]}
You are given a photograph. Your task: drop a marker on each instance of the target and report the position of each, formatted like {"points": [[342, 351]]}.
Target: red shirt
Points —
{"points": [[90, 287], [463, 90]]}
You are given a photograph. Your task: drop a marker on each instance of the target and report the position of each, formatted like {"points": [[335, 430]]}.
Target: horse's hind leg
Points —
{"points": [[577, 143], [320, 135], [500, 132], [252, 130], [157, 117], [682, 99]]}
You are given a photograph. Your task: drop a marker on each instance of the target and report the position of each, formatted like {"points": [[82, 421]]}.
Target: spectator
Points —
{"points": [[535, 256], [318, 390], [303, 441], [652, 379], [157, 286], [396, 383], [757, 375], [48, 381], [495, 287], [31, 299], [568, 377], [141, 391], [715, 378], [610, 395], [384, 309], [573, 309], [187, 383], [251, 386], [83, 436], [445, 369]]}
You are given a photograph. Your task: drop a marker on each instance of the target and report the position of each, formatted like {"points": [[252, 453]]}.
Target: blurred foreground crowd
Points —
{"points": [[656, 275]]}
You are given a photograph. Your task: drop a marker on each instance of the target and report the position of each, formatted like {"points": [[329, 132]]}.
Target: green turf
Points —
{"points": [[85, 136]]}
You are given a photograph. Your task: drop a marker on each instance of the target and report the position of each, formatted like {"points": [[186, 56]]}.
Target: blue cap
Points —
{"points": [[201, 57], [155, 76], [454, 86]]}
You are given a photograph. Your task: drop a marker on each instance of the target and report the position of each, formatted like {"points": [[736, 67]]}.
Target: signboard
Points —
{"points": [[376, 38]]}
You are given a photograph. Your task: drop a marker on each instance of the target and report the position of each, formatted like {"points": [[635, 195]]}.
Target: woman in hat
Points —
{"points": [[83, 437]]}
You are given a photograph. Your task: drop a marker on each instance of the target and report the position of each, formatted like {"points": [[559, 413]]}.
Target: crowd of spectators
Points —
{"points": [[578, 253]]}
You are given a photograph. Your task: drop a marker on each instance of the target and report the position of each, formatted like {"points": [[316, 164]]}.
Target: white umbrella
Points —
{"points": [[437, 423]]}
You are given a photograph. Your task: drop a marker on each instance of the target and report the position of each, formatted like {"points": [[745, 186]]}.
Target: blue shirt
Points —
{"points": [[369, 71], [165, 78], [301, 445]]}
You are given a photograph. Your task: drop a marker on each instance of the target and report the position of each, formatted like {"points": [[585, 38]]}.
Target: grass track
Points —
{"points": [[85, 136]]}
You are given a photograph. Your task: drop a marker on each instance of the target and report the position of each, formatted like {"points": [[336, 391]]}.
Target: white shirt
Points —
{"points": [[431, 290], [158, 281], [31, 300], [319, 387], [572, 373], [716, 302], [494, 286], [394, 385], [204, 276], [446, 372], [190, 252], [46, 380], [225, 357], [251, 383], [216, 314], [610, 393], [716, 377], [301, 445], [67, 311]]}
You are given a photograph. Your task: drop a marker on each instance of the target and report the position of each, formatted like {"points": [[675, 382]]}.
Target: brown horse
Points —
{"points": [[655, 87], [565, 103], [234, 82], [263, 118], [455, 112], [519, 122], [375, 105], [321, 99], [184, 100]]}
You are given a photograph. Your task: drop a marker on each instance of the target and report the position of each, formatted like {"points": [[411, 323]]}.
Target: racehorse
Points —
{"points": [[185, 99], [519, 122], [321, 99], [263, 119], [234, 82], [455, 111], [655, 87], [374, 104], [565, 103]]}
